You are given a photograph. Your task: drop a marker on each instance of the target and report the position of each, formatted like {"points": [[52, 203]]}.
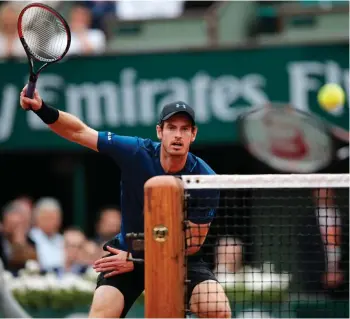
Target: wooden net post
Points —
{"points": [[164, 248]]}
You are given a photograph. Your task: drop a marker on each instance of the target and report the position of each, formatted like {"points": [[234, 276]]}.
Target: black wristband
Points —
{"points": [[48, 114]]}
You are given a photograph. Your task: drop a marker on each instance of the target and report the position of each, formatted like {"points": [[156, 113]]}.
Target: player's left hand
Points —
{"points": [[114, 265]]}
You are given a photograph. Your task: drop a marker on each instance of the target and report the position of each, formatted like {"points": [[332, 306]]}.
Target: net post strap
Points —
{"points": [[266, 181]]}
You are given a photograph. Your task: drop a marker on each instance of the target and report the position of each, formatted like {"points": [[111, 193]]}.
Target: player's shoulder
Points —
{"points": [[138, 145], [201, 167], [148, 145]]}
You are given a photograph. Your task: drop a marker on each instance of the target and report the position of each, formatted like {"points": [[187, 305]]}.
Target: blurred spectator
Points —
{"points": [[108, 225], [74, 241], [27, 206], [2, 248], [49, 242], [323, 246], [151, 9], [228, 260], [99, 11], [85, 40], [17, 246], [53, 4], [10, 45], [26, 200], [330, 224], [90, 253], [229, 255]]}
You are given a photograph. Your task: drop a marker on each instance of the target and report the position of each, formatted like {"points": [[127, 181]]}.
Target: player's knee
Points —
{"points": [[223, 309], [210, 301], [108, 302], [221, 312], [214, 311]]}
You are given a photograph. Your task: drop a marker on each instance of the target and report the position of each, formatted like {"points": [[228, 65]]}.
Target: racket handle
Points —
{"points": [[31, 89]]}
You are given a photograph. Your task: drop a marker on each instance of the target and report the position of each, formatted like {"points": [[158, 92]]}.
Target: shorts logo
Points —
{"points": [[109, 136], [211, 213]]}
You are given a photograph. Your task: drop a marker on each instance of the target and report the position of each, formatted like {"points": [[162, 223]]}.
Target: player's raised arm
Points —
{"points": [[64, 124]]}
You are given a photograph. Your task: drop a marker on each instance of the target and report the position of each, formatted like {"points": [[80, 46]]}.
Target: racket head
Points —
{"points": [[44, 33], [286, 139]]}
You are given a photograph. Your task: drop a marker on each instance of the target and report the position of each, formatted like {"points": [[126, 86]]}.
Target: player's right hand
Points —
{"points": [[30, 104], [115, 264]]}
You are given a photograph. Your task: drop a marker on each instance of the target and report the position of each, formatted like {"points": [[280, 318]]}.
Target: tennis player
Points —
{"points": [[120, 281]]}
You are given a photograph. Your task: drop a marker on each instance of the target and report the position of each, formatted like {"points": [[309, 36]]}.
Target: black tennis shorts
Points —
{"points": [[132, 284]]}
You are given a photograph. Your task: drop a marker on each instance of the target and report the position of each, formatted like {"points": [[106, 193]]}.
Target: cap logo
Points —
{"points": [[181, 105]]}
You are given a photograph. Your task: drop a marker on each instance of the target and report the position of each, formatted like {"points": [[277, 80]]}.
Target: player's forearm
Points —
{"points": [[195, 237], [192, 250], [68, 126], [194, 241], [64, 124]]}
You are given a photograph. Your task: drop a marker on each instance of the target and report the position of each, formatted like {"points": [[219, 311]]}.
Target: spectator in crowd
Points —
{"points": [[56, 4], [27, 206], [10, 45], [229, 258], [90, 252], [324, 246], [85, 40], [74, 241], [330, 223], [47, 215], [100, 10], [26, 200], [3, 257], [17, 247], [108, 225]]}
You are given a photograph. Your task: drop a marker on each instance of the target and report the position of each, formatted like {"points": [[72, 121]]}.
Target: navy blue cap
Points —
{"points": [[171, 109]]}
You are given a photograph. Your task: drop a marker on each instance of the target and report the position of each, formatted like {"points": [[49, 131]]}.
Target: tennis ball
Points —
{"points": [[331, 96]]}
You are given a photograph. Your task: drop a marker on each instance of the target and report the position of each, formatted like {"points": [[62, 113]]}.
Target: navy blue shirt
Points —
{"points": [[139, 160]]}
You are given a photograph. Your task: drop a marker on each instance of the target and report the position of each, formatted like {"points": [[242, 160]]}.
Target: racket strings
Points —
{"points": [[44, 33]]}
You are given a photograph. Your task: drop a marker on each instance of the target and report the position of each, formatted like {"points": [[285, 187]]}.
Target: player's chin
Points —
{"points": [[177, 152]]}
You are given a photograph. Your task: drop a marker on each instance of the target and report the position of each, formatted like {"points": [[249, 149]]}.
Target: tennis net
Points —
{"points": [[277, 246]]}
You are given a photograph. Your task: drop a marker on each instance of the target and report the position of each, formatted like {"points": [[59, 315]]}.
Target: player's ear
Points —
{"points": [[159, 132], [194, 133]]}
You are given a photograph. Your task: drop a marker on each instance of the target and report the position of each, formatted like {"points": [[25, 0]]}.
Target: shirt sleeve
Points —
{"points": [[202, 206], [121, 148]]}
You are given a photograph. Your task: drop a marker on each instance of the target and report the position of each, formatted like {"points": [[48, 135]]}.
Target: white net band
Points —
{"points": [[266, 181]]}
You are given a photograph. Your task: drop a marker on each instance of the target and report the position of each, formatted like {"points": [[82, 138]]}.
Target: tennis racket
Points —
{"points": [[287, 139], [45, 37]]}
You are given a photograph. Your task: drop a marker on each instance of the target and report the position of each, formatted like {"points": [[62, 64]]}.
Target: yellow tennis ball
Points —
{"points": [[331, 96]]}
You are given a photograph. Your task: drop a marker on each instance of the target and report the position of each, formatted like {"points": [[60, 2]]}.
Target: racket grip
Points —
{"points": [[30, 89]]}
